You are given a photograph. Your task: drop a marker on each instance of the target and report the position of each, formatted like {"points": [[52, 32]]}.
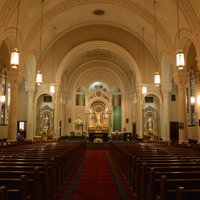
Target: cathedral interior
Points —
{"points": [[101, 58]]}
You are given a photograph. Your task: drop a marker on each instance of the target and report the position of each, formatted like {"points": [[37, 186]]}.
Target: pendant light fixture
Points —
{"points": [[2, 98], [180, 58], [144, 87], [52, 86], [14, 59], [156, 75], [39, 74]]}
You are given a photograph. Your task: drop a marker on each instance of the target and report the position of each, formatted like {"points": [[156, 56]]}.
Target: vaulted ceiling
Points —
{"points": [[117, 21]]}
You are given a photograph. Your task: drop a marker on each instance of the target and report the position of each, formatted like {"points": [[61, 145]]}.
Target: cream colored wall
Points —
{"points": [[4, 131], [173, 110], [192, 132], [22, 107]]}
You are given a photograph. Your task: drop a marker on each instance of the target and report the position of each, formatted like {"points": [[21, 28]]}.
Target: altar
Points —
{"points": [[101, 135]]}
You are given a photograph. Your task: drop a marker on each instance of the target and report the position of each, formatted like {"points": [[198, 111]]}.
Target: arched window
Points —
{"points": [[116, 96], [4, 97], [80, 96], [190, 93], [117, 108]]}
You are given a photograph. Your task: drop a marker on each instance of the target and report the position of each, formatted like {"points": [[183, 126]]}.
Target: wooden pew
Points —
{"points": [[53, 175], [153, 175], [44, 176], [3, 193], [131, 158], [17, 188], [60, 158], [142, 171], [154, 188], [187, 194], [34, 187], [168, 187]]}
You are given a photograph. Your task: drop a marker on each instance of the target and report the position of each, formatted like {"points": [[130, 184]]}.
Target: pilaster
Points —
{"points": [[166, 89], [30, 89], [57, 128], [15, 79], [139, 110], [197, 105], [181, 81]]}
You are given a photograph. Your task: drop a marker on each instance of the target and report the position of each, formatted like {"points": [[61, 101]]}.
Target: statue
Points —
{"points": [[150, 123], [46, 122]]}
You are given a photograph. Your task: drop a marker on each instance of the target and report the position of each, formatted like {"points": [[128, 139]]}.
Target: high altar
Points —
{"points": [[99, 111]]}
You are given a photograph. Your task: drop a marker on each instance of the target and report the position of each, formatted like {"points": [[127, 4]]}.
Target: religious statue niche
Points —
{"points": [[78, 126], [98, 113], [98, 120], [99, 109], [46, 122], [150, 124]]}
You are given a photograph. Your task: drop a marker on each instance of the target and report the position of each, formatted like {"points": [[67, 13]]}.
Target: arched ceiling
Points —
{"points": [[70, 16]]}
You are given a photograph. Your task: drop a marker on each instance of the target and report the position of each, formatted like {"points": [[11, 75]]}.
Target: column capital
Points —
{"points": [[30, 86], [138, 88], [14, 77], [181, 78], [198, 62], [58, 89], [166, 88]]}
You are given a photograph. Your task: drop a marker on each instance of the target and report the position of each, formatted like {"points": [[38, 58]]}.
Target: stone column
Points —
{"points": [[57, 113], [166, 88], [139, 110], [30, 88], [15, 79], [181, 81], [197, 108]]}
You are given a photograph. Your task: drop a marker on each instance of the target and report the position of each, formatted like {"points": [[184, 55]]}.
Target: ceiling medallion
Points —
{"points": [[99, 12]]}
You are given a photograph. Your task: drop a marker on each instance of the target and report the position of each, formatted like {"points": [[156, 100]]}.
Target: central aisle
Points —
{"points": [[96, 181], [97, 178]]}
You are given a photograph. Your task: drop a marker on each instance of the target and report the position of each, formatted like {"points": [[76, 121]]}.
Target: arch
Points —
{"points": [[153, 94], [121, 52], [165, 68], [30, 68]]}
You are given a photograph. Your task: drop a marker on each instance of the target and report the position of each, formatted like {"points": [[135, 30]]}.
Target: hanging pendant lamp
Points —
{"points": [[14, 59], [180, 57], [52, 86], [156, 74], [39, 74]]}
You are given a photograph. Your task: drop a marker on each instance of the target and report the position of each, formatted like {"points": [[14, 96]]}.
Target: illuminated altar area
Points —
{"points": [[99, 110]]}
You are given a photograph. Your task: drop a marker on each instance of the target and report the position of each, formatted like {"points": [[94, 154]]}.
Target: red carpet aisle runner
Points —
{"points": [[96, 179]]}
